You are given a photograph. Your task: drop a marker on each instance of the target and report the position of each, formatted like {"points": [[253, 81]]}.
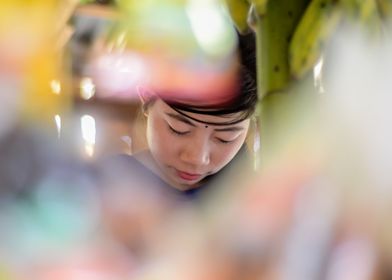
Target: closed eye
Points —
{"points": [[224, 141], [177, 131]]}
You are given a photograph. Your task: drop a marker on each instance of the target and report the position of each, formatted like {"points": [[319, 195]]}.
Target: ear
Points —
{"points": [[146, 95]]}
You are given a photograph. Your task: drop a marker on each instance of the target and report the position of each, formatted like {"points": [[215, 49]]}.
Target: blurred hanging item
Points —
{"points": [[180, 49], [30, 51]]}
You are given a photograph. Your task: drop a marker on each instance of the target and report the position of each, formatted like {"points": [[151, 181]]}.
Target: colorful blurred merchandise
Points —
{"points": [[30, 58], [187, 50]]}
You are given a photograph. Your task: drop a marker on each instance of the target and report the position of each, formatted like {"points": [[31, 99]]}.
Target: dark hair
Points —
{"points": [[244, 101]]}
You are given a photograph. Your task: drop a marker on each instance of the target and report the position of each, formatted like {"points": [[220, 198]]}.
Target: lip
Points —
{"points": [[188, 176]]}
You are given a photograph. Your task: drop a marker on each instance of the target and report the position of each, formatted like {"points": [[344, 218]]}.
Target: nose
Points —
{"points": [[196, 153]]}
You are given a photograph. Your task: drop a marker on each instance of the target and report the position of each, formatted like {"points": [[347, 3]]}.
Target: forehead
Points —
{"points": [[202, 118]]}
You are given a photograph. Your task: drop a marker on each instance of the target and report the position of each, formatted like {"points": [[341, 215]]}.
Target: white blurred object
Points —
{"points": [[57, 120], [215, 36], [318, 75], [118, 73], [87, 88], [359, 113], [355, 258], [88, 134], [55, 86]]}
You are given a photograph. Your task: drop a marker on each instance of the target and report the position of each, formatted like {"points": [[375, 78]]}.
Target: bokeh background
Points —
{"points": [[315, 204]]}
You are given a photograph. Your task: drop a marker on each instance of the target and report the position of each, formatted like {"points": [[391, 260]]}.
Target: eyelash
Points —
{"points": [[224, 141], [177, 132], [186, 132]]}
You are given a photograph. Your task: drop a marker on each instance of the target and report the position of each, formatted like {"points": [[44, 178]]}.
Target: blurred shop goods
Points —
{"points": [[176, 52], [27, 45]]}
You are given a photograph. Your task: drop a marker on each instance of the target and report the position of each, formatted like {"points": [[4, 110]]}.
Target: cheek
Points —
{"points": [[223, 154], [159, 139]]}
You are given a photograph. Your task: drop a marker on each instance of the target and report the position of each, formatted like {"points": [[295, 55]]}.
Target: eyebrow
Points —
{"points": [[180, 118], [187, 121]]}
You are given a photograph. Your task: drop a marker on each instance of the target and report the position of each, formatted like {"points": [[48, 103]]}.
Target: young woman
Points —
{"points": [[190, 143], [190, 146]]}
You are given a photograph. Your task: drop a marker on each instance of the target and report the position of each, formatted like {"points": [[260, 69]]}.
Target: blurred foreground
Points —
{"points": [[318, 208]]}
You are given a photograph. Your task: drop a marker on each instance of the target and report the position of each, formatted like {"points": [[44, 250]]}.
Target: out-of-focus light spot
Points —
{"points": [[57, 120], [88, 134], [256, 148], [87, 88], [214, 35], [89, 149], [317, 75], [117, 74], [55, 85]]}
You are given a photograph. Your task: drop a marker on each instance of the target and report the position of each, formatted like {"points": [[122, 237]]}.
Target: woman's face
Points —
{"points": [[186, 151]]}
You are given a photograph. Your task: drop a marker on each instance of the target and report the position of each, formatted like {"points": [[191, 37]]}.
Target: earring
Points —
{"points": [[144, 109]]}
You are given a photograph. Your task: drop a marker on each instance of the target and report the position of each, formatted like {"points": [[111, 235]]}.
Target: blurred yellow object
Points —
{"points": [[5, 274], [29, 31]]}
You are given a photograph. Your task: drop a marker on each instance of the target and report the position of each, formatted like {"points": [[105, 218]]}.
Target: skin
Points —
{"points": [[183, 151]]}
